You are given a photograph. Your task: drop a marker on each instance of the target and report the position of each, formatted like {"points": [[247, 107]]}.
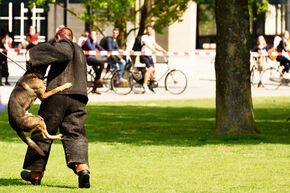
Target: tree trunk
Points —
{"points": [[122, 38], [144, 17], [234, 108]]}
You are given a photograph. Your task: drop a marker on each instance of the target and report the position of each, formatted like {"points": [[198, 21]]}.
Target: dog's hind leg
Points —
{"points": [[30, 142]]}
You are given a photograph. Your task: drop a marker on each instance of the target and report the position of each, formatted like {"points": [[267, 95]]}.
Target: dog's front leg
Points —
{"points": [[45, 95]]}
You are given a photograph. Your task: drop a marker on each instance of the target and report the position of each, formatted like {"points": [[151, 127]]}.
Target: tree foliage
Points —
{"points": [[161, 13]]}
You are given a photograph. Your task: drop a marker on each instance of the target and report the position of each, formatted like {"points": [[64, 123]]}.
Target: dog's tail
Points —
{"points": [[30, 142]]}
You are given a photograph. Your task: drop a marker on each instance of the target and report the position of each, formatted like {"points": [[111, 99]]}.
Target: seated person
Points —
{"points": [[260, 60], [283, 46], [98, 61], [111, 44], [260, 47]]}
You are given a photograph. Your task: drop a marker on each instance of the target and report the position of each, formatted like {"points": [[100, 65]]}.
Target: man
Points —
{"points": [[111, 44], [98, 61], [149, 45], [65, 110]]}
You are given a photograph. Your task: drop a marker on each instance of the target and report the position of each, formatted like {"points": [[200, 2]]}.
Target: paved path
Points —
{"points": [[199, 70]]}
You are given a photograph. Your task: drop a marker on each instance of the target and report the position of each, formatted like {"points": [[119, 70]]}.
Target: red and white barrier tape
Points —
{"points": [[137, 53], [131, 53]]}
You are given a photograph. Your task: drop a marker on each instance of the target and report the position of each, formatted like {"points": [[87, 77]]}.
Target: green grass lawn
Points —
{"points": [[164, 146]]}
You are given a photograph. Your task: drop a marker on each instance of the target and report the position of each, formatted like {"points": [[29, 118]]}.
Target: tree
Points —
{"points": [[234, 108], [161, 13]]}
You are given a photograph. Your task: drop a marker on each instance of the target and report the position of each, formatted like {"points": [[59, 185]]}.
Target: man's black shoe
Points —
{"points": [[84, 179], [25, 175]]}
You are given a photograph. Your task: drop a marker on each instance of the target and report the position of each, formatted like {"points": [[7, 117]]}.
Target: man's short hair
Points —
{"points": [[151, 26], [65, 32], [116, 29], [91, 30]]}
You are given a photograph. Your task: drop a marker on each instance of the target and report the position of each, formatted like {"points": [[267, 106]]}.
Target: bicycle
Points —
{"points": [[273, 78], [175, 81], [111, 79]]}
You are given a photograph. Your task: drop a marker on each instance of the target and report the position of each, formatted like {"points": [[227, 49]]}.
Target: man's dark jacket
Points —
{"points": [[111, 44], [67, 64]]}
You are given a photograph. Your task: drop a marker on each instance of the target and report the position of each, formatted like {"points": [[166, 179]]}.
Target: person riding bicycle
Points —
{"points": [[110, 43], [98, 61], [149, 45]]}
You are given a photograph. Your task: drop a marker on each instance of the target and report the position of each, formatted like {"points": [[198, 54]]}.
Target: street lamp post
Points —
{"points": [[65, 17]]}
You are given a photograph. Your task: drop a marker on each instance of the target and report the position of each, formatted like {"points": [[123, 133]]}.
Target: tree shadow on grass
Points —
{"points": [[175, 126]]}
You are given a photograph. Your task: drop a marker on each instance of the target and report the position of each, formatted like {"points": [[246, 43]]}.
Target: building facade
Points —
{"points": [[16, 16]]}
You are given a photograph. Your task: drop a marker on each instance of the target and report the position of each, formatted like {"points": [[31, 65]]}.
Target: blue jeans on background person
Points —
{"points": [[121, 67]]}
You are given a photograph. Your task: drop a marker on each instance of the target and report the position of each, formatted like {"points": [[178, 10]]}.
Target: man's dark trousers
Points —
{"points": [[68, 113]]}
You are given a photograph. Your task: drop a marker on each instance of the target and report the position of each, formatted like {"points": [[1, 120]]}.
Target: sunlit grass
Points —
{"points": [[164, 146]]}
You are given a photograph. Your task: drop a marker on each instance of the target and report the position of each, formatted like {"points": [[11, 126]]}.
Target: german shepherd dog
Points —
{"points": [[27, 89]]}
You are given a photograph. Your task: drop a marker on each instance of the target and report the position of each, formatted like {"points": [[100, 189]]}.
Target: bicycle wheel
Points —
{"points": [[175, 82], [271, 78], [255, 77], [104, 85], [137, 88], [122, 82]]}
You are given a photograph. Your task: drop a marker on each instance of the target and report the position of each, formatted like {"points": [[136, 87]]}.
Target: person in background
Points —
{"points": [[284, 47], [4, 72], [276, 41], [34, 35], [150, 45], [96, 61], [83, 38], [111, 44], [260, 61]]}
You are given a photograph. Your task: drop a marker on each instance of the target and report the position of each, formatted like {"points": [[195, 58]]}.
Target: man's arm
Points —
{"points": [[46, 53], [100, 48], [159, 48]]}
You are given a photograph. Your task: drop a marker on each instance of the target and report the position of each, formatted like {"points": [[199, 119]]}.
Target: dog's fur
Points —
{"points": [[28, 88]]}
